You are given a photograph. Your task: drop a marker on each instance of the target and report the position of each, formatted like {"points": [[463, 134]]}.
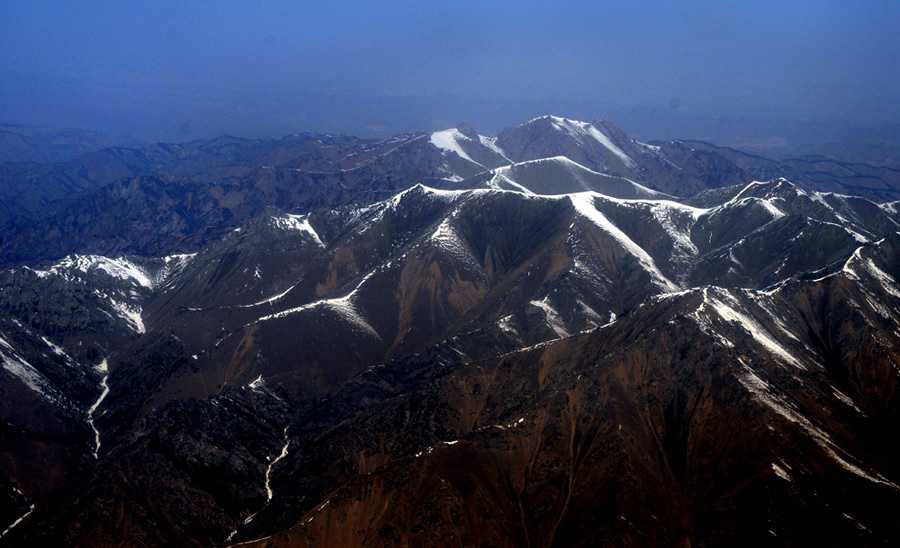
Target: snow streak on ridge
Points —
{"points": [[343, 306], [297, 222], [580, 130], [28, 374], [448, 140], [584, 205]]}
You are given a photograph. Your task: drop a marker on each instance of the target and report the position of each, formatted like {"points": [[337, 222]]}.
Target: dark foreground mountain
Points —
{"points": [[548, 350]]}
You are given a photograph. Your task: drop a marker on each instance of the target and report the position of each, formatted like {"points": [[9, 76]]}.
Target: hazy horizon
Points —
{"points": [[727, 72]]}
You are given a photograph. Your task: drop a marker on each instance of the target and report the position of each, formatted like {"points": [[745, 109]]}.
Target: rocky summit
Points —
{"points": [[558, 336]]}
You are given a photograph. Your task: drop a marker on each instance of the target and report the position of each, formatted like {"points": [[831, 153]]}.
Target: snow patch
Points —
{"points": [[766, 394], [584, 205], [491, 143], [502, 176], [781, 472], [765, 302], [445, 237], [56, 349], [846, 400], [131, 313], [505, 325], [119, 268], [590, 312], [580, 130], [772, 209], [553, 319], [886, 280], [725, 305], [299, 223], [103, 369], [29, 375], [448, 140], [848, 269], [284, 453], [343, 306], [270, 299], [666, 214], [257, 384], [6, 344], [18, 521]]}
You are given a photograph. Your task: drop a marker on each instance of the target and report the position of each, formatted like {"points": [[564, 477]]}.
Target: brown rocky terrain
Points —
{"points": [[534, 351]]}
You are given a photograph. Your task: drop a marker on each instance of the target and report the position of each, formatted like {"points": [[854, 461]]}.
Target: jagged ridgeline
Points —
{"points": [[558, 336]]}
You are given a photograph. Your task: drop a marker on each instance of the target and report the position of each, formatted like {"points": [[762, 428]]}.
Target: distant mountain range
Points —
{"points": [[202, 189], [41, 145], [558, 336]]}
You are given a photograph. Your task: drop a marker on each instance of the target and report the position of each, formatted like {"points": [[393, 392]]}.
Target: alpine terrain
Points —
{"points": [[558, 336]]}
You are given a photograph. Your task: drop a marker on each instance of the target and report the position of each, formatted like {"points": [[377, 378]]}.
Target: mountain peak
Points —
{"points": [[467, 130], [768, 189], [582, 142], [552, 119]]}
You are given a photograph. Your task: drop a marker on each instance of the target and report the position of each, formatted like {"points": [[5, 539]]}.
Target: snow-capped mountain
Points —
{"points": [[170, 199], [545, 342]]}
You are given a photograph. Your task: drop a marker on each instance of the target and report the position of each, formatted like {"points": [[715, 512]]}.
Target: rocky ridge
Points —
{"points": [[546, 352]]}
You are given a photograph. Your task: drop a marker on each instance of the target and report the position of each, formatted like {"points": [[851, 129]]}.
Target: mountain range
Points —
{"points": [[558, 336]]}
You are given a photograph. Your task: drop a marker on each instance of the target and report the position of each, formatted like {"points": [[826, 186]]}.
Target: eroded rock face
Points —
{"points": [[489, 365]]}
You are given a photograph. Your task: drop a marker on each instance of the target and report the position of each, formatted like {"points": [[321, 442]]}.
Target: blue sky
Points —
{"points": [[198, 63]]}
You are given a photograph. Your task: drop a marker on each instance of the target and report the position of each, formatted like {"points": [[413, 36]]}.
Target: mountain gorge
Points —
{"points": [[557, 336]]}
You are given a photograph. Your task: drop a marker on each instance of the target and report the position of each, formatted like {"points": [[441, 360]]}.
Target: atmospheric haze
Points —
{"points": [[734, 72]]}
